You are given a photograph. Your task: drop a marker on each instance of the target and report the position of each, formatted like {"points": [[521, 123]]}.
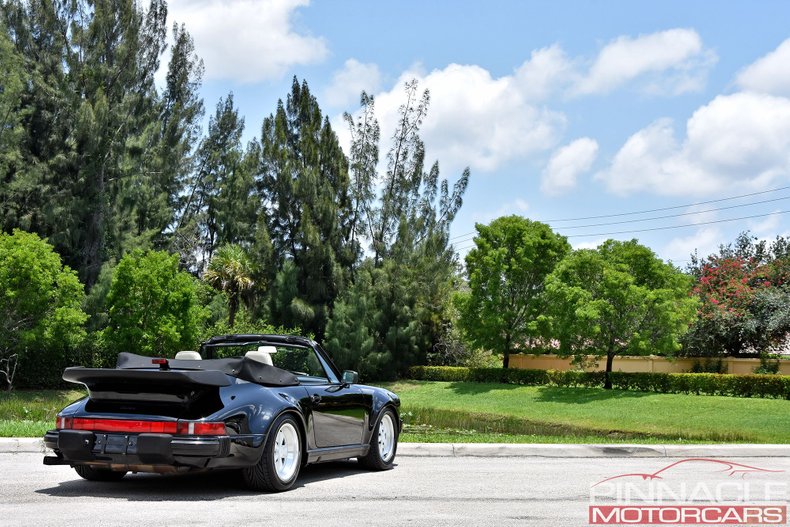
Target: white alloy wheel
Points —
{"points": [[386, 438], [286, 452]]}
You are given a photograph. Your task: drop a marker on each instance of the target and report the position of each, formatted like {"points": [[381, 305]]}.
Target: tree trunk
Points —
{"points": [[233, 306], [93, 247], [506, 356], [607, 383]]}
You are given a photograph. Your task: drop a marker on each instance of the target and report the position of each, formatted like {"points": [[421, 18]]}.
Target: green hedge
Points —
{"points": [[771, 386]]}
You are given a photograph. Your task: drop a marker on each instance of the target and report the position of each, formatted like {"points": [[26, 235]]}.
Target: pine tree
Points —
{"points": [[86, 112], [304, 185], [407, 281], [363, 160], [181, 113], [221, 188], [349, 331], [11, 132]]}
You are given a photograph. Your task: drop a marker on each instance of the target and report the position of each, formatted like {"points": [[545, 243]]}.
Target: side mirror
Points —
{"points": [[350, 377]]}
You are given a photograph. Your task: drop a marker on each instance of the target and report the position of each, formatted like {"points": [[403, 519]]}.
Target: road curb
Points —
{"points": [[26, 445], [587, 451], [21, 445]]}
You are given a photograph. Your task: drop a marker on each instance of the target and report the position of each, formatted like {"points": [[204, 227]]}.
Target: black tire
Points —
{"points": [[98, 474], [264, 475], [376, 459]]}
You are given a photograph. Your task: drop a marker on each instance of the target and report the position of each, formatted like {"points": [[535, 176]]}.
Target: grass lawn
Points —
{"points": [[498, 413], [31, 413], [586, 414]]}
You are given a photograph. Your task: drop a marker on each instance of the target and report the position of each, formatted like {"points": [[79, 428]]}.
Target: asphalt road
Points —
{"points": [[418, 491]]}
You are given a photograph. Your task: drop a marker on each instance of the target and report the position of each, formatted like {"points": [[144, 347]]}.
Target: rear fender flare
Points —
{"points": [[297, 415]]}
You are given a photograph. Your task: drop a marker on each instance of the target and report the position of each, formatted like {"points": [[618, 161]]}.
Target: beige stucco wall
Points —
{"points": [[639, 364]]}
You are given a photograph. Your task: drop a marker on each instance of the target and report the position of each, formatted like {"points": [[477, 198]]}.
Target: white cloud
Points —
{"points": [[699, 214], [672, 61], [638, 165], [767, 226], [474, 119], [483, 121], [739, 141], [770, 74], [518, 207], [590, 244], [247, 40], [566, 164], [547, 71], [350, 81], [705, 241], [464, 242]]}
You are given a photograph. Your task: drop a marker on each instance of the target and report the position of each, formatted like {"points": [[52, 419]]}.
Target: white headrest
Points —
{"points": [[267, 349], [260, 356], [188, 355]]}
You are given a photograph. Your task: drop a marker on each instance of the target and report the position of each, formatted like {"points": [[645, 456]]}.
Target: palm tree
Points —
{"points": [[230, 270]]}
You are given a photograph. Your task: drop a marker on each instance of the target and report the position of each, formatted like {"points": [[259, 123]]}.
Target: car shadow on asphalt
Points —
{"points": [[213, 485]]}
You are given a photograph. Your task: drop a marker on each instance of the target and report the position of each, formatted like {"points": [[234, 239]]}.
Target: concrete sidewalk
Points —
{"points": [[34, 445]]}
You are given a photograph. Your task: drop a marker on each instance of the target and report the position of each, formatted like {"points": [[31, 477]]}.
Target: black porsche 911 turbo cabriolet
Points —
{"points": [[279, 404]]}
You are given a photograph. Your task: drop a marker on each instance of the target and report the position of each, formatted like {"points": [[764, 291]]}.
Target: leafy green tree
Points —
{"points": [[507, 269], [768, 325], [41, 319], [618, 299], [230, 271], [153, 308], [405, 164]]}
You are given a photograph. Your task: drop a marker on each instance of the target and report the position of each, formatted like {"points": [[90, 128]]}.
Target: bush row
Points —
{"points": [[770, 386]]}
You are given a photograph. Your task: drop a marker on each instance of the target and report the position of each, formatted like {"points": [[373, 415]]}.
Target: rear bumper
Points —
{"points": [[75, 447]]}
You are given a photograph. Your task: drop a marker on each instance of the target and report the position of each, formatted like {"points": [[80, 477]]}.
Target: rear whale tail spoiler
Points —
{"points": [[92, 377], [145, 374], [182, 388]]}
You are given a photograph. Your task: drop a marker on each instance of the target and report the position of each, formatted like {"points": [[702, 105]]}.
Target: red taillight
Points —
{"points": [[159, 361], [124, 425], [62, 423], [198, 428]]}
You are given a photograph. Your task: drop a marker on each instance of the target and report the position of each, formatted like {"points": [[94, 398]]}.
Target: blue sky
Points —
{"points": [[561, 109]]}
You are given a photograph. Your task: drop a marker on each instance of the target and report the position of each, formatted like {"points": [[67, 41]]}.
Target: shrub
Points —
{"points": [[440, 373], [153, 308], [41, 319], [709, 365], [769, 386], [769, 364]]}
